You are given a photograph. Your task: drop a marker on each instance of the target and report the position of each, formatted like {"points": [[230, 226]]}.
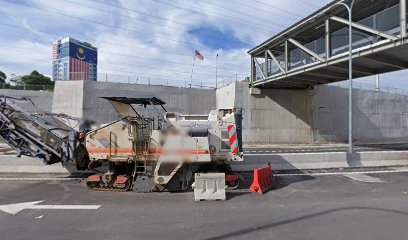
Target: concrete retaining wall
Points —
{"points": [[42, 99], [376, 115], [68, 98], [82, 98], [273, 116], [319, 115]]}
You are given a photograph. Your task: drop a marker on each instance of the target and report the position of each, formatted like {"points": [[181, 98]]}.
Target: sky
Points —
{"points": [[154, 39]]}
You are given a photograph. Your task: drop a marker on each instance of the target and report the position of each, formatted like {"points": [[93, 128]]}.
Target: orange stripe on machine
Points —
{"points": [[151, 151]]}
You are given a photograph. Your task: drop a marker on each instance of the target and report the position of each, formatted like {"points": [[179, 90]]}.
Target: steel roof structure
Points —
{"points": [[140, 100], [314, 51]]}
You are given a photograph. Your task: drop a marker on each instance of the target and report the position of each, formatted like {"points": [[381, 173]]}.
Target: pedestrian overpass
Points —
{"points": [[315, 50]]}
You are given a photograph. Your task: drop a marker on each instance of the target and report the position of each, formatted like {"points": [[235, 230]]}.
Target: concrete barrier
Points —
{"points": [[209, 186], [303, 161]]}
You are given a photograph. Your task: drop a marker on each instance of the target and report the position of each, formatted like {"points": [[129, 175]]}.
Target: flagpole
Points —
{"points": [[192, 70]]}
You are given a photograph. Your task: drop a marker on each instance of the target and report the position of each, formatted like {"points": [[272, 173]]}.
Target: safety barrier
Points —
{"points": [[209, 186], [263, 180]]}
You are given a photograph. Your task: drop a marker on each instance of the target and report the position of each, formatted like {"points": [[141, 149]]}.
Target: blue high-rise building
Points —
{"points": [[74, 60]]}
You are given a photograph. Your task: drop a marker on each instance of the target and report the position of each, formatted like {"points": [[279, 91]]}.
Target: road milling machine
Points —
{"points": [[145, 153]]}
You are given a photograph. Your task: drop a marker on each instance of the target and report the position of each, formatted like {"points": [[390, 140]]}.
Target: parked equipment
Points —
{"points": [[140, 152]]}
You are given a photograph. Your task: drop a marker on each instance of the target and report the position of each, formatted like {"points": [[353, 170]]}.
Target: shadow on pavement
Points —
{"points": [[301, 218], [280, 181]]}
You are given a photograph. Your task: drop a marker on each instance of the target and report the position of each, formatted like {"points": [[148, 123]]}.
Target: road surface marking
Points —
{"points": [[342, 173], [363, 178], [17, 207], [39, 179], [288, 153], [336, 151]]}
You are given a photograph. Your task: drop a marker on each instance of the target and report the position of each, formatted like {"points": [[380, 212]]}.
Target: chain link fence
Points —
{"points": [[187, 84], [31, 87], [204, 84]]}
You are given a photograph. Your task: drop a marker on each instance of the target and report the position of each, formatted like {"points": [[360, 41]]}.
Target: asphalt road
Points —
{"points": [[356, 206], [283, 149]]}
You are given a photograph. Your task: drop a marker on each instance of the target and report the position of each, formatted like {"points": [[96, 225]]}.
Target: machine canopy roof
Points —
{"points": [[143, 100]]}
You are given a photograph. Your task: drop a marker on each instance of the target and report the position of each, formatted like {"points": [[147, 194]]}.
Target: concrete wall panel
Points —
{"points": [[83, 98], [42, 99], [293, 116]]}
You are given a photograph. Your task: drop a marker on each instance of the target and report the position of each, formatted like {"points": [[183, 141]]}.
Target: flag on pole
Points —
{"points": [[198, 55]]}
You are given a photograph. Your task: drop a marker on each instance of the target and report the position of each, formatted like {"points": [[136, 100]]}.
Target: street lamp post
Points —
{"points": [[216, 71], [350, 9]]}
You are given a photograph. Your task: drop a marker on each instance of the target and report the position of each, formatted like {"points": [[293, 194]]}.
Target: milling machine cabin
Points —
{"points": [[163, 152]]}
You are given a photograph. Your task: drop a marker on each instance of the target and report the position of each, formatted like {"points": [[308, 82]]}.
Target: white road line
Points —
{"points": [[335, 151], [17, 207], [38, 179], [363, 178], [344, 173], [289, 153]]}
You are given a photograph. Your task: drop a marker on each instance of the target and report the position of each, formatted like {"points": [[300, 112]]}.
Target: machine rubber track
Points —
{"points": [[95, 183], [104, 189]]}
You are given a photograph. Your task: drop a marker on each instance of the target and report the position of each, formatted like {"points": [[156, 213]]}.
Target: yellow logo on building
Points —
{"points": [[81, 54]]}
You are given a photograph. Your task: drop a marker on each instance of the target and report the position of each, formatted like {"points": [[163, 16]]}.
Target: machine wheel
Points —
{"points": [[232, 184]]}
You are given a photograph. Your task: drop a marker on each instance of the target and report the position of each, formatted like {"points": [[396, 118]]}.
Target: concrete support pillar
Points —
{"points": [[253, 72], [377, 82], [328, 39], [403, 17], [286, 56], [266, 65], [312, 95]]}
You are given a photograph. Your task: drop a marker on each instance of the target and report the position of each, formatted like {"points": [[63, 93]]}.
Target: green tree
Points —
{"points": [[16, 80], [36, 78], [3, 77]]}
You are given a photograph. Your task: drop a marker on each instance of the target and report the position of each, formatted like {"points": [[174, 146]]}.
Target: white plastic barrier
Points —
{"points": [[209, 186]]}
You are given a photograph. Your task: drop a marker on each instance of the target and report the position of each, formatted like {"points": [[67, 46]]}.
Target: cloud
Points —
{"points": [[147, 38], [20, 59]]}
